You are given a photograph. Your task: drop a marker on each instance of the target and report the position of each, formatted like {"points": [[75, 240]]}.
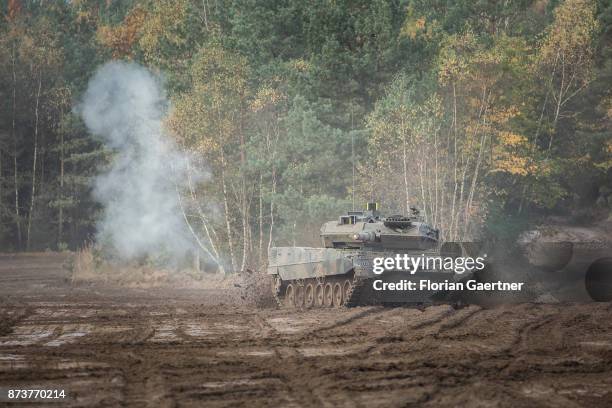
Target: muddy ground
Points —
{"points": [[170, 347]]}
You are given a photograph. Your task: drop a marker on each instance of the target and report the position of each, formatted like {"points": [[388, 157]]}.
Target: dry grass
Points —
{"points": [[83, 264], [248, 287], [90, 267]]}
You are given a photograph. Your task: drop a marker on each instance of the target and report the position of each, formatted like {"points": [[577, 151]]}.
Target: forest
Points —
{"points": [[487, 115]]}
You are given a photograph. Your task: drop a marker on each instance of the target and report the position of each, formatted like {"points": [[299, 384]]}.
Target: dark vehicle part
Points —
{"points": [[565, 255], [598, 280]]}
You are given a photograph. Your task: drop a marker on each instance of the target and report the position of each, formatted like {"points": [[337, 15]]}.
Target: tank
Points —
{"points": [[341, 272]]}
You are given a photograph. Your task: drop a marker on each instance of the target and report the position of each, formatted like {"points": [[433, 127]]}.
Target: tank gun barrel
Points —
{"points": [[365, 236]]}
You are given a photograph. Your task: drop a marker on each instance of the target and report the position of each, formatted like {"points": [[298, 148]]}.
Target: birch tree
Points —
{"points": [[208, 122]]}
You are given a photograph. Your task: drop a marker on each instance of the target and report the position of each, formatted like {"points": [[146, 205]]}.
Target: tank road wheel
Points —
{"points": [[299, 296], [328, 295], [309, 296], [319, 298], [337, 294], [346, 291], [290, 295]]}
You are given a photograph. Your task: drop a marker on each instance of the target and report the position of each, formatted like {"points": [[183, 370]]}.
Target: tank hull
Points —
{"points": [[351, 269]]}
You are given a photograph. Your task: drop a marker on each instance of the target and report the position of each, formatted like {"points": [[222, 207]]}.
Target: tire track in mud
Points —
{"points": [[283, 365], [518, 335], [370, 374], [9, 320], [156, 348], [369, 320], [551, 334], [144, 383], [346, 321], [428, 325], [524, 332], [308, 387], [299, 388], [382, 373], [285, 371], [266, 328]]}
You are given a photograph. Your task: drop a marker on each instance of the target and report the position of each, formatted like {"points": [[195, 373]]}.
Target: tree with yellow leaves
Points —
{"points": [[209, 122], [565, 58]]}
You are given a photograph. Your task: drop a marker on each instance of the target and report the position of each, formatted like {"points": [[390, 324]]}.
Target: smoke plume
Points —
{"points": [[124, 106]]}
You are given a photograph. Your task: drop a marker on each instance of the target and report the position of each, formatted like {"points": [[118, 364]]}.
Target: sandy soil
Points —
{"points": [[169, 347]]}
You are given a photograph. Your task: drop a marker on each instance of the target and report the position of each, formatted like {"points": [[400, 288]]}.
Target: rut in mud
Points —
{"points": [[175, 347]]}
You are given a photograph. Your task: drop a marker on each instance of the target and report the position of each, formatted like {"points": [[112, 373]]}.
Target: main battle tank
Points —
{"points": [[341, 273]]}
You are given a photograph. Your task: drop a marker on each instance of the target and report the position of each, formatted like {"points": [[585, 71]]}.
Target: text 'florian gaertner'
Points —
{"points": [[429, 285]]}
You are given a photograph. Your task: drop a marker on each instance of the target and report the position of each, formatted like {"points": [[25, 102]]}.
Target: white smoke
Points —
{"points": [[124, 105]]}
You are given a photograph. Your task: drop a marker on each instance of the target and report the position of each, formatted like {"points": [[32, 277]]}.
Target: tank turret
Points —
{"points": [[359, 229]]}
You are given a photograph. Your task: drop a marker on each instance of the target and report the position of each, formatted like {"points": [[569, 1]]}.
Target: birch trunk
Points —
{"points": [[405, 163], [212, 238], [272, 152], [436, 185], [35, 153], [60, 221], [482, 119], [429, 194], [558, 106], [228, 227], [15, 168], [260, 249], [194, 234], [245, 229], [452, 223], [270, 233], [421, 182], [468, 204]]}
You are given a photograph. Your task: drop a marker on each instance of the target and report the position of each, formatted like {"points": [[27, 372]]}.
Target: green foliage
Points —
{"points": [[460, 107]]}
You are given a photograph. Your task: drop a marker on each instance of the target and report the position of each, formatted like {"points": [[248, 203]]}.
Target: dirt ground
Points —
{"points": [[170, 347]]}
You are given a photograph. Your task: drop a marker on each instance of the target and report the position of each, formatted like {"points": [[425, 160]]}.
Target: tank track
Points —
{"points": [[358, 292], [276, 290], [355, 296]]}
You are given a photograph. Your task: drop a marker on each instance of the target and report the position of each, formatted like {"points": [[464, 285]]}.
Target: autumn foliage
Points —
{"points": [[485, 115]]}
